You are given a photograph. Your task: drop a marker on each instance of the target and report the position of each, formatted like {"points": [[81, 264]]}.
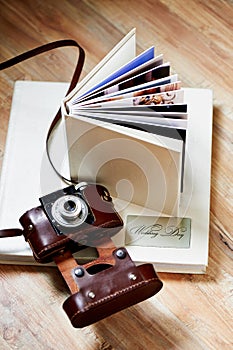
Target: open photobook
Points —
{"points": [[131, 126]]}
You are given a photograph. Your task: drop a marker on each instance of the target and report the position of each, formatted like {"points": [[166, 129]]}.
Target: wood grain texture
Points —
{"points": [[191, 311]]}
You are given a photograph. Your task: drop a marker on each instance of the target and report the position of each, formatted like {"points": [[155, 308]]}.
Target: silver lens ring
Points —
{"points": [[69, 211]]}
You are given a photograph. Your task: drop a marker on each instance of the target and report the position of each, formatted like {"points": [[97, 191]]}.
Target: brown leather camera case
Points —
{"points": [[99, 288]]}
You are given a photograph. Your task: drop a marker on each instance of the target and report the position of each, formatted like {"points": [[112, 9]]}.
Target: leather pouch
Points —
{"points": [[99, 288], [113, 289], [43, 240]]}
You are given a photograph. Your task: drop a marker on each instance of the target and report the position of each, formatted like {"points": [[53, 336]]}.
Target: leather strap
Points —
{"points": [[37, 51], [11, 232], [32, 53], [66, 263], [48, 47]]}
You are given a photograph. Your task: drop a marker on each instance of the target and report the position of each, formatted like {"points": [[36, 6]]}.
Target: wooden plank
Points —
{"points": [[191, 311]]}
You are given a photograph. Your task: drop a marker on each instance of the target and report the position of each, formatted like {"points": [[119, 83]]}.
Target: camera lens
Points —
{"points": [[70, 206], [69, 211]]}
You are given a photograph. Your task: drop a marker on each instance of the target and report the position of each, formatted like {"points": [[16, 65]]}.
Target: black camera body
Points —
{"points": [[67, 209], [70, 219]]}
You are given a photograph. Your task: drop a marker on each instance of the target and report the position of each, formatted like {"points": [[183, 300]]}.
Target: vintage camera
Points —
{"points": [[67, 208], [70, 219]]}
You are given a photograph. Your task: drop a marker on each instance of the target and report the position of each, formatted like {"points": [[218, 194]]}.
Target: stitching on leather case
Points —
{"points": [[53, 245], [112, 296], [106, 224]]}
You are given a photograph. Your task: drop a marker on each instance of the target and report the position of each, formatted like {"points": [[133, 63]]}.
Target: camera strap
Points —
{"points": [[78, 69], [11, 232]]}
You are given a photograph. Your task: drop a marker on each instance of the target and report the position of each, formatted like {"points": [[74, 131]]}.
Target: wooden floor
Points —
{"points": [[192, 311]]}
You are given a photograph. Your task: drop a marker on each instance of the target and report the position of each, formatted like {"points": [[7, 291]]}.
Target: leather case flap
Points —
{"points": [[111, 290]]}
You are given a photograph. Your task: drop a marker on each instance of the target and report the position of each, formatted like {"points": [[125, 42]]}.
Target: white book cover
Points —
{"points": [[27, 174], [194, 201]]}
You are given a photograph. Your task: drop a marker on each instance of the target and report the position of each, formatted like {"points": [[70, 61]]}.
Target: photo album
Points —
{"points": [[131, 126]]}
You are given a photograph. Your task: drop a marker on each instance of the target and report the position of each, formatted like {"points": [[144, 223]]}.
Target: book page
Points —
{"points": [[157, 61], [143, 119], [129, 92], [125, 70], [120, 55], [171, 97], [137, 167]]}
